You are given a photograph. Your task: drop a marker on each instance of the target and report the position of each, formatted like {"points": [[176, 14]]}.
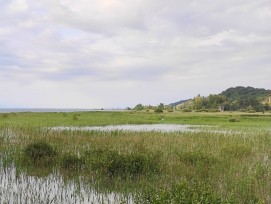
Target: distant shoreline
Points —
{"points": [[51, 110]]}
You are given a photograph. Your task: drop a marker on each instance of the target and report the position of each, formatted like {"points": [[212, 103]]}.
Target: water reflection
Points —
{"points": [[133, 128], [21, 188]]}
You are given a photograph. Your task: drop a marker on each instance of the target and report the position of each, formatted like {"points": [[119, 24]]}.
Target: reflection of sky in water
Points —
{"points": [[165, 128], [132, 128], [21, 188]]}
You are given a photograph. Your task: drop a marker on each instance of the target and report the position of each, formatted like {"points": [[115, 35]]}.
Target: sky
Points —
{"points": [[118, 53]]}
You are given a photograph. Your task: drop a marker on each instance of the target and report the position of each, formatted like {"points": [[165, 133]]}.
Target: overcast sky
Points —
{"points": [[118, 53]]}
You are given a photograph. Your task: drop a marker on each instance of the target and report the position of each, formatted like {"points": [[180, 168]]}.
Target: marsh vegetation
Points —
{"points": [[227, 162]]}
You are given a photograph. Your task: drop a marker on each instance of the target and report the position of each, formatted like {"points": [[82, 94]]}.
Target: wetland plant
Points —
{"points": [[114, 164], [39, 152], [236, 151], [196, 157], [72, 162], [182, 192], [233, 120], [75, 117]]}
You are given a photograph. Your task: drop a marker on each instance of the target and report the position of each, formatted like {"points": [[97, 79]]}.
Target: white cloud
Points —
{"points": [[17, 7], [115, 53]]}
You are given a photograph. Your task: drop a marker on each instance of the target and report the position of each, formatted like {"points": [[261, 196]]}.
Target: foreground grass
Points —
{"points": [[192, 167]]}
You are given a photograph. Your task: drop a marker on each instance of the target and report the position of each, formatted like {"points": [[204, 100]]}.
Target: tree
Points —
{"points": [[159, 108], [139, 107]]}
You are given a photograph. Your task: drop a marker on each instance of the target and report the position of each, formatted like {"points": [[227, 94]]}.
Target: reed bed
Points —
{"points": [[222, 163], [22, 188]]}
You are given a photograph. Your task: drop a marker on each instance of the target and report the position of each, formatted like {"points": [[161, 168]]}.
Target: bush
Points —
{"points": [[115, 164], [214, 110], [197, 110], [132, 164], [158, 110], [201, 110], [39, 151], [233, 120], [139, 107], [75, 117], [186, 110], [5, 115], [72, 162]]}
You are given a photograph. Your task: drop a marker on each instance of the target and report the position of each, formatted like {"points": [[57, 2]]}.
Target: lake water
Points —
{"points": [[132, 128], [164, 128], [44, 110], [21, 188]]}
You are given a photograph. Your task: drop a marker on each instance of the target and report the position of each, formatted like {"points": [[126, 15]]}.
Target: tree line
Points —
{"points": [[233, 99]]}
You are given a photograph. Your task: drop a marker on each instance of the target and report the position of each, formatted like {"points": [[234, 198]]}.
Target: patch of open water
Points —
{"points": [[22, 188], [133, 128], [164, 128]]}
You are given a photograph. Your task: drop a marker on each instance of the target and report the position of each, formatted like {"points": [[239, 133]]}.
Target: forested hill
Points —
{"points": [[240, 92], [179, 102], [233, 99]]}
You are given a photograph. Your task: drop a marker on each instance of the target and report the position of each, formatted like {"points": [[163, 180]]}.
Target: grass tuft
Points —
{"points": [[72, 162], [183, 192], [39, 151], [112, 163]]}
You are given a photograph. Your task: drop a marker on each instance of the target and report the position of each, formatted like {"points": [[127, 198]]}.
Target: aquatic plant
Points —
{"points": [[72, 162], [132, 164], [233, 120], [197, 157], [39, 151], [182, 192], [228, 161]]}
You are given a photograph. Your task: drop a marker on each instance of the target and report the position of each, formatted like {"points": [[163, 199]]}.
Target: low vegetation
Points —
{"points": [[225, 162], [39, 152]]}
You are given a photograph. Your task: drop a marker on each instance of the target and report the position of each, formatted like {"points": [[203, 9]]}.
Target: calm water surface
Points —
{"points": [[132, 128], [50, 110], [22, 188]]}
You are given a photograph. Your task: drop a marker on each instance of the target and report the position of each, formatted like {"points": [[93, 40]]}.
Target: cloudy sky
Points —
{"points": [[118, 53]]}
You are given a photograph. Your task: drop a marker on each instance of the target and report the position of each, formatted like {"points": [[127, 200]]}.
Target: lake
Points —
{"points": [[22, 188], [132, 128]]}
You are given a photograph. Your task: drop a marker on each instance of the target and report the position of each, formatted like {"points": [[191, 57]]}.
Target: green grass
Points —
{"points": [[131, 117], [191, 167]]}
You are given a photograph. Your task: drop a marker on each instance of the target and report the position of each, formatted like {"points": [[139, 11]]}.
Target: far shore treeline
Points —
{"points": [[246, 99]]}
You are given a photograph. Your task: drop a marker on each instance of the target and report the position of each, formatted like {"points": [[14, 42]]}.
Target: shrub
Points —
{"points": [[5, 115], [186, 110], [158, 110], [197, 110], [233, 120], [139, 107], [39, 151], [75, 117], [115, 164], [133, 164], [72, 162], [214, 110], [201, 110]]}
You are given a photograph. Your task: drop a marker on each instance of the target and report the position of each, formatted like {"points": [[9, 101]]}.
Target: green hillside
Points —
{"points": [[240, 92], [233, 99]]}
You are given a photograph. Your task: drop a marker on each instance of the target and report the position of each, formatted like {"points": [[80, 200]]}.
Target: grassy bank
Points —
{"points": [[132, 117], [191, 167]]}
